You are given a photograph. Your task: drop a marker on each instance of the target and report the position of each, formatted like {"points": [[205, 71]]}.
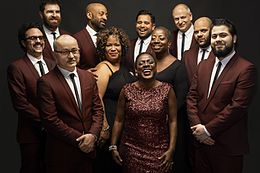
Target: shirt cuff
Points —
{"points": [[207, 132]]}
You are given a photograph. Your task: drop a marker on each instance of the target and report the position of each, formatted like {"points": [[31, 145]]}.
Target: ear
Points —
{"points": [[169, 44], [235, 39], [153, 27], [40, 14], [89, 15]]}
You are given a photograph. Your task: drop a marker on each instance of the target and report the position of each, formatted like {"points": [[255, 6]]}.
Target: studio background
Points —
{"points": [[122, 14]]}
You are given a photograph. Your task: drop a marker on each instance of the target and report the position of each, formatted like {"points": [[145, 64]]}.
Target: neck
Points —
{"points": [[146, 83]]}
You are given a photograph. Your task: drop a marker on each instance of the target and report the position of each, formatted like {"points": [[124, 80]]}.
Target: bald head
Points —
{"points": [[96, 14], [66, 52], [182, 17], [202, 28]]}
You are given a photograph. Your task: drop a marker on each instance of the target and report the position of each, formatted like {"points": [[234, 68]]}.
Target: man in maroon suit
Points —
{"points": [[218, 102], [193, 56], [182, 18], [96, 14], [145, 24], [22, 76], [71, 111], [50, 13]]}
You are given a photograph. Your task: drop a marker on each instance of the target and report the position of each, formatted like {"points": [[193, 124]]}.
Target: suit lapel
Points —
{"points": [[31, 67], [220, 78], [82, 86], [68, 91]]}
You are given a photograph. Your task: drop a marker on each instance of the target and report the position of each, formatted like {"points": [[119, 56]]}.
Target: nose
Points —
{"points": [[105, 17]]}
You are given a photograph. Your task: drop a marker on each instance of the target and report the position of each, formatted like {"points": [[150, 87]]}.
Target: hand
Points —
{"points": [[201, 135], [93, 70], [116, 156], [166, 160], [104, 136], [86, 142]]}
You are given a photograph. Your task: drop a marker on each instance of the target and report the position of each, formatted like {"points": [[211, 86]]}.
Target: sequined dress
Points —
{"points": [[145, 135]]}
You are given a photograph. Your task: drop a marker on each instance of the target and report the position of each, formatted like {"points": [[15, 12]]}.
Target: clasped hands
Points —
{"points": [[86, 142], [200, 134]]}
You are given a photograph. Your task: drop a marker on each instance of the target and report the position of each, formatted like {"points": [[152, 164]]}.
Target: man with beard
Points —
{"points": [[22, 76], [218, 102], [193, 56], [145, 24], [50, 13], [96, 15], [183, 38]]}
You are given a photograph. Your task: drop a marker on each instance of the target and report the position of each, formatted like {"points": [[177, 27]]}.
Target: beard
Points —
{"points": [[50, 25], [224, 52]]}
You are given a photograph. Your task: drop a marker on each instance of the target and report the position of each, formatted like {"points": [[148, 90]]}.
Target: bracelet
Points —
{"points": [[112, 147], [106, 129]]}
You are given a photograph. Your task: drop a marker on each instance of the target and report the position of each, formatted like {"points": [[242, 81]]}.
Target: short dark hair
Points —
{"points": [[145, 12], [45, 2], [23, 29], [102, 37]]}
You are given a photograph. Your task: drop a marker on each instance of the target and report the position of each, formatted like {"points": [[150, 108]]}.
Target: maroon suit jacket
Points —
{"points": [[224, 112], [174, 46], [88, 58], [190, 59], [129, 59], [22, 80], [47, 52], [62, 118]]}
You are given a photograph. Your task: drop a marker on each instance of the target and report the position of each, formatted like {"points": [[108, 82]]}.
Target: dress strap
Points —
{"points": [[109, 68]]}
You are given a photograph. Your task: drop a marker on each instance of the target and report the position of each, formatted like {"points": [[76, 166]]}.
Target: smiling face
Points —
{"points": [[222, 42], [97, 16], [34, 42], [182, 17], [113, 49], [160, 42], [144, 26], [51, 16], [145, 66]]}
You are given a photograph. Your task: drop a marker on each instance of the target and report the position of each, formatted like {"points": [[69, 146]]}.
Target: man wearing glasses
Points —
{"points": [[71, 111], [22, 76]]}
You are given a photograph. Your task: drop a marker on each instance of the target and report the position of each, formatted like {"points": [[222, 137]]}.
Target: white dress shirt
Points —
{"points": [[92, 34], [208, 50], [66, 75], [138, 44], [49, 35], [188, 40], [224, 63], [36, 64]]}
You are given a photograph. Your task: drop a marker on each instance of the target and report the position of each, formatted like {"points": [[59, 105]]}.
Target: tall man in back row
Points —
{"points": [[217, 104], [96, 16]]}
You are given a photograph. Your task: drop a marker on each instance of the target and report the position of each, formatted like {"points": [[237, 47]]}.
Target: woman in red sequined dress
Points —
{"points": [[145, 123]]}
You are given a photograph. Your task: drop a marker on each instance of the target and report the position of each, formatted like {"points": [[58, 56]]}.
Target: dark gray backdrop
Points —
{"points": [[122, 14]]}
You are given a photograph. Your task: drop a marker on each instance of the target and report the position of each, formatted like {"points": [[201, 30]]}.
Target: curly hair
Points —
{"points": [[102, 37]]}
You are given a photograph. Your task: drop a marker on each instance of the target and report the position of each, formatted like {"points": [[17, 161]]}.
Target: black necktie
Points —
{"points": [[54, 35], [217, 73], [41, 68], [141, 46], [76, 90], [203, 54], [182, 44]]}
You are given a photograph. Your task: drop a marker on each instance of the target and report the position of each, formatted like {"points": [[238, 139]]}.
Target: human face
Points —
{"points": [[98, 17], [34, 42], [202, 33], [51, 16], [144, 26], [182, 18], [146, 67], [113, 49], [67, 53], [160, 42], [222, 42]]}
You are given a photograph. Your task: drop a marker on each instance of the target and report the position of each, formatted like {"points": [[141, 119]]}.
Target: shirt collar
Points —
{"points": [[49, 32], [226, 59], [208, 49], [66, 73], [91, 31], [35, 60], [189, 32], [146, 41]]}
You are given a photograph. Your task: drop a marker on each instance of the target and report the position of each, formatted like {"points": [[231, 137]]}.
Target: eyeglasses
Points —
{"points": [[35, 38], [67, 52]]}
